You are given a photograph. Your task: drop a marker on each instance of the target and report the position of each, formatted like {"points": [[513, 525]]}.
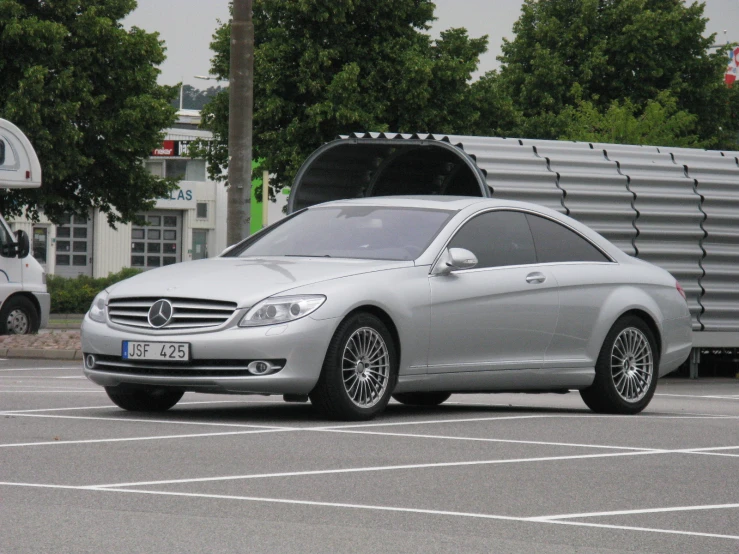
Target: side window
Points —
{"points": [[6, 243], [556, 243], [497, 238]]}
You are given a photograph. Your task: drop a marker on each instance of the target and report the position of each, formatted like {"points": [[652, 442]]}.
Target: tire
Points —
{"points": [[422, 398], [626, 371], [144, 399], [18, 316], [359, 372]]}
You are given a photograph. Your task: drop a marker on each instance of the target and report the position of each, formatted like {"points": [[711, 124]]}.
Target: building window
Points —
{"points": [[156, 244], [195, 170], [201, 210], [156, 168], [71, 236], [176, 169]]}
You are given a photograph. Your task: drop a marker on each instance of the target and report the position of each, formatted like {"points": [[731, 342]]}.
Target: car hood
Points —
{"points": [[242, 280]]}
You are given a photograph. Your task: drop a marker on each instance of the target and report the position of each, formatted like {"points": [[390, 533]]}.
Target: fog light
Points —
{"points": [[259, 367], [90, 361]]}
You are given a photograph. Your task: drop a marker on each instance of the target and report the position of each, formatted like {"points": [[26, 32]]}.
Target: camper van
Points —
{"points": [[24, 301]]}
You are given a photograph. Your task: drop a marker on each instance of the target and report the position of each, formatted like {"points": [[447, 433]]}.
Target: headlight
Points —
{"points": [[282, 309], [97, 310]]}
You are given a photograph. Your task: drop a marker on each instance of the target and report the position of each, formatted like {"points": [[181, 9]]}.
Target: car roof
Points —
{"points": [[440, 202]]}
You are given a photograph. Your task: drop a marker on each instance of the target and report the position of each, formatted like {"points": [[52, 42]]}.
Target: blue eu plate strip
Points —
{"points": [[124, 354]]}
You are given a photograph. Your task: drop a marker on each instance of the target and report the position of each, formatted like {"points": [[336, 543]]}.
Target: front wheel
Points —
{"points": [[359, 372], [18, 317], [422, 398], [626, 371], [144, 399]]}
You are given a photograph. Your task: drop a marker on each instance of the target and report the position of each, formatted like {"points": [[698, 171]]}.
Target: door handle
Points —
{"points": [[535, 278]]}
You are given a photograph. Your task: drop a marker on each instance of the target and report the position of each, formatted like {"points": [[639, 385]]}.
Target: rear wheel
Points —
{"points": [[359, 372], [626, 371], [422, 398], [144, 399]]}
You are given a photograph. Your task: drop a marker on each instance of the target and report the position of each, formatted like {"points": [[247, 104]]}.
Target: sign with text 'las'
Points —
{"points": [[182, 198]]}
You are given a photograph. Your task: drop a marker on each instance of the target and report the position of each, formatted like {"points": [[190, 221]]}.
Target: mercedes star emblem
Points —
{"points": [[160, 313]]}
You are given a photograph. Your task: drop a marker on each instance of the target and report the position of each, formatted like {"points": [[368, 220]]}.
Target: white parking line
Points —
{"points": [[75, 367], [646, 529], [635, 418], [512, 441], [434, 421], [377, 468], [43, 378], [155, 437], [136, 420], [14, 412], [635, 512], [25, 385], [716, 454], [417, 466], [715, 396], [60, 391], [375, 508]]}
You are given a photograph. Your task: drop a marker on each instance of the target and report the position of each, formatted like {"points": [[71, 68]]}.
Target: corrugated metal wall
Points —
{"points": [[675, 207], [716, 179]]}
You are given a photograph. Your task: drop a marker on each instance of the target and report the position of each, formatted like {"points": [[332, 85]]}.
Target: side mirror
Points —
{"points": [[22, 245], [454, 259]]}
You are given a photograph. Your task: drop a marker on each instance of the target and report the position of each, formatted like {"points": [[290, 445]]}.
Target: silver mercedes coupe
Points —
{"points": [[351, 302]]}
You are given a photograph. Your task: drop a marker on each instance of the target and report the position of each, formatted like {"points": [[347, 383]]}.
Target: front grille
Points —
{"points": [[194, 368], [188, 313]]}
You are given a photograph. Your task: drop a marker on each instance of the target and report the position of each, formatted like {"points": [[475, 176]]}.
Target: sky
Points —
{"points": [[187, 26]]}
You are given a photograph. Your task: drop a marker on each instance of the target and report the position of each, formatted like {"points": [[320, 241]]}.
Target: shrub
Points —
{"points": [[74, 295]]}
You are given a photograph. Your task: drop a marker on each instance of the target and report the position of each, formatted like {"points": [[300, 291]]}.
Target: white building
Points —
{"points": [[190, 224]]}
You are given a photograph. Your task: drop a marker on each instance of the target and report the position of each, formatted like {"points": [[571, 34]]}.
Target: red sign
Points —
{"points": [[731, 69], [166, 149]]}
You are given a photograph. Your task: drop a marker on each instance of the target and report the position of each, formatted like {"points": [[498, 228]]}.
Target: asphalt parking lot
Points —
{"points": [[482, 473]]}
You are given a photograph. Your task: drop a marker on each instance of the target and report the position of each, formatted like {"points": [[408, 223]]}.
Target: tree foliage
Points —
{"points": [[660, 123], [602, 51], [84, 90], [323, 68]]}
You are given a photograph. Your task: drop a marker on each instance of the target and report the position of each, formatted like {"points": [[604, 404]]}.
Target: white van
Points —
{"points": [[24, 302]]}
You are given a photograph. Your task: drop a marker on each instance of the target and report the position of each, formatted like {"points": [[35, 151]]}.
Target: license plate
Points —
{"points": [[156, 351]]}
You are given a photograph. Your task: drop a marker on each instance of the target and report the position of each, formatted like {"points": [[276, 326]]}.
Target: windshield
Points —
{"points": [[368, 232]]}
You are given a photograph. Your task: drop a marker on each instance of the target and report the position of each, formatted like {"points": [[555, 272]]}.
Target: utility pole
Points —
{"points": [[241, 111]]}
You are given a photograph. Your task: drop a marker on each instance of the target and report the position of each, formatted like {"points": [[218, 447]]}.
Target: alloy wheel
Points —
{"points": [[632, 364], [365, 367]]}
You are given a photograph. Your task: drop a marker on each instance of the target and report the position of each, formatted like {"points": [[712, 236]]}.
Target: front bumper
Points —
{"points": [[44, 302], [218, 358]]}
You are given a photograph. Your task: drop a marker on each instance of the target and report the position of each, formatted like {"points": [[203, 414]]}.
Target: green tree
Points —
{"points": [[660, 123], [497, 114], [327, 67], [84, 90], [601, 51]]}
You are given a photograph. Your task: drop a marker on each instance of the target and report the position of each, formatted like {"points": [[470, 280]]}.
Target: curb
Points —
{"points": [[40, 353]]}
